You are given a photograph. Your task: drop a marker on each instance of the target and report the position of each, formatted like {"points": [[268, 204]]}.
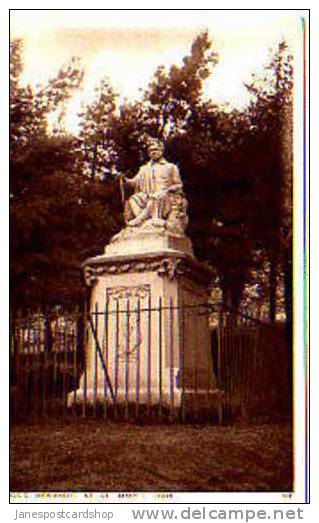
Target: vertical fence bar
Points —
{"points": [[237, 376], [27, 391], [249, 348], [160, 340], [75, 342], [65, 363], [223, 382], [235, 356], [228, 361], [12, 362], [35, 369], [85, 356], [59, 372], [96, 361], [249, 368], [149, 357], [247, 351], [258, 368], [210, 367], [242, 377], [127, 356], [171, 356], [243, 374], [12, 368], [138, 336], [17, 364], [219, 350], [210, 376], [116, 356], [22, 364], [106, 352], [54, 388], [20, 355], [17, 356], [196, 314], [241, 334], [233, 363], [35, 365], [219, 384], [181, 377], [45, 363], [39, 366]]}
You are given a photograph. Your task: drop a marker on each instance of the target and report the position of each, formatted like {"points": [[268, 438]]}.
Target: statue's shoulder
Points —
{"points": [[167, 163], [172, 166], [144, 168]]}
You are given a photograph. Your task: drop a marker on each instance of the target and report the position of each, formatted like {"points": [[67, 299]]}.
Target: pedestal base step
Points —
{"points": [[199, 406]]}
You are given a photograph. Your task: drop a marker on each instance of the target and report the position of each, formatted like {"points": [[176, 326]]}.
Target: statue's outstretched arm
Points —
{"points": [[134, 182]]}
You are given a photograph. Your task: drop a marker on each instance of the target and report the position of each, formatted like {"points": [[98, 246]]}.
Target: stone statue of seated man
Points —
{"points": [[158, 196]]}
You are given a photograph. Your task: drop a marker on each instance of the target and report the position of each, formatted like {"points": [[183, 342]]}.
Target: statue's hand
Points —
{"points": [[130, 182], [177, 187], [160, 194]]}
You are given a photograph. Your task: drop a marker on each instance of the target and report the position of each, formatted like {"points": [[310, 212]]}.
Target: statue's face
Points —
{"points": [[155, 152]]}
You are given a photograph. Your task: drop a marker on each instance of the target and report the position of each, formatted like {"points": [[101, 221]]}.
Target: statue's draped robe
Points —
{"points": [[152, 178]]}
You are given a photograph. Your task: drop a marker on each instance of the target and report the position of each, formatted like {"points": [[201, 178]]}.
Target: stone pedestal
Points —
{"points": [[148, 309]]}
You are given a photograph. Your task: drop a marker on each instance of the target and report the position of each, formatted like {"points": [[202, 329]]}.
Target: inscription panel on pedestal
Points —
{"points": [[127, 308]]}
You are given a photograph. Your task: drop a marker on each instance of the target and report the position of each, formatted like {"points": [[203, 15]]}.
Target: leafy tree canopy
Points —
{"points": [[236, 167]]}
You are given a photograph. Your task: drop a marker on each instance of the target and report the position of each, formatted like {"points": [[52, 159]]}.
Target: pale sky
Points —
{"points": [[127, 46]]}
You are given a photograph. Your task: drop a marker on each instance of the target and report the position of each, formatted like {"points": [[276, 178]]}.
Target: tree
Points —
{"points": [[172, 98], [221, 211], [40, 191], [127, 137], [30, 107], [203, 140], [271, 116], [94, 141], [58, 216], [237, 184]]}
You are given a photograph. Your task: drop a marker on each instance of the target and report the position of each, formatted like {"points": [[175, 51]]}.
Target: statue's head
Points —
{"points": [[155, 149]]}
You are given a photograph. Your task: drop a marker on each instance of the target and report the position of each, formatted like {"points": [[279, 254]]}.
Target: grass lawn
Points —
{"points": [[92, 455]]}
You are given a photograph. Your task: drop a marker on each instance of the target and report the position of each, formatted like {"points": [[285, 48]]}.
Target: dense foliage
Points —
{"points": [[236, 166], [58, 217]]}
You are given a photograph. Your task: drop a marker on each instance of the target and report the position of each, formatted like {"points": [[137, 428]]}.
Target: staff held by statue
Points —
{"points": [[122, 189]]}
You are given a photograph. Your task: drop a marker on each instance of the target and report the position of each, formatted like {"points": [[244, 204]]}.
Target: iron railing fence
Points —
{"points": [[52, 372], [253, 364]]}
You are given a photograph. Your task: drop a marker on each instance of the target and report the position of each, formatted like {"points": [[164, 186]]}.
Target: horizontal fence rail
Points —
{"points": [[141, 360]]}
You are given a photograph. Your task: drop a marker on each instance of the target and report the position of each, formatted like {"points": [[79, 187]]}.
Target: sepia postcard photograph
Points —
{"points": [[158, 257]]}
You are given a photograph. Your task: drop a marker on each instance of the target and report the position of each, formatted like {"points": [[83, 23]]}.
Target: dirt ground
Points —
{"points": [[92, 455]]}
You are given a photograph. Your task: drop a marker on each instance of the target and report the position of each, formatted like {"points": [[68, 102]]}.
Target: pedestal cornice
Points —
{"points": [[171, 264]]}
